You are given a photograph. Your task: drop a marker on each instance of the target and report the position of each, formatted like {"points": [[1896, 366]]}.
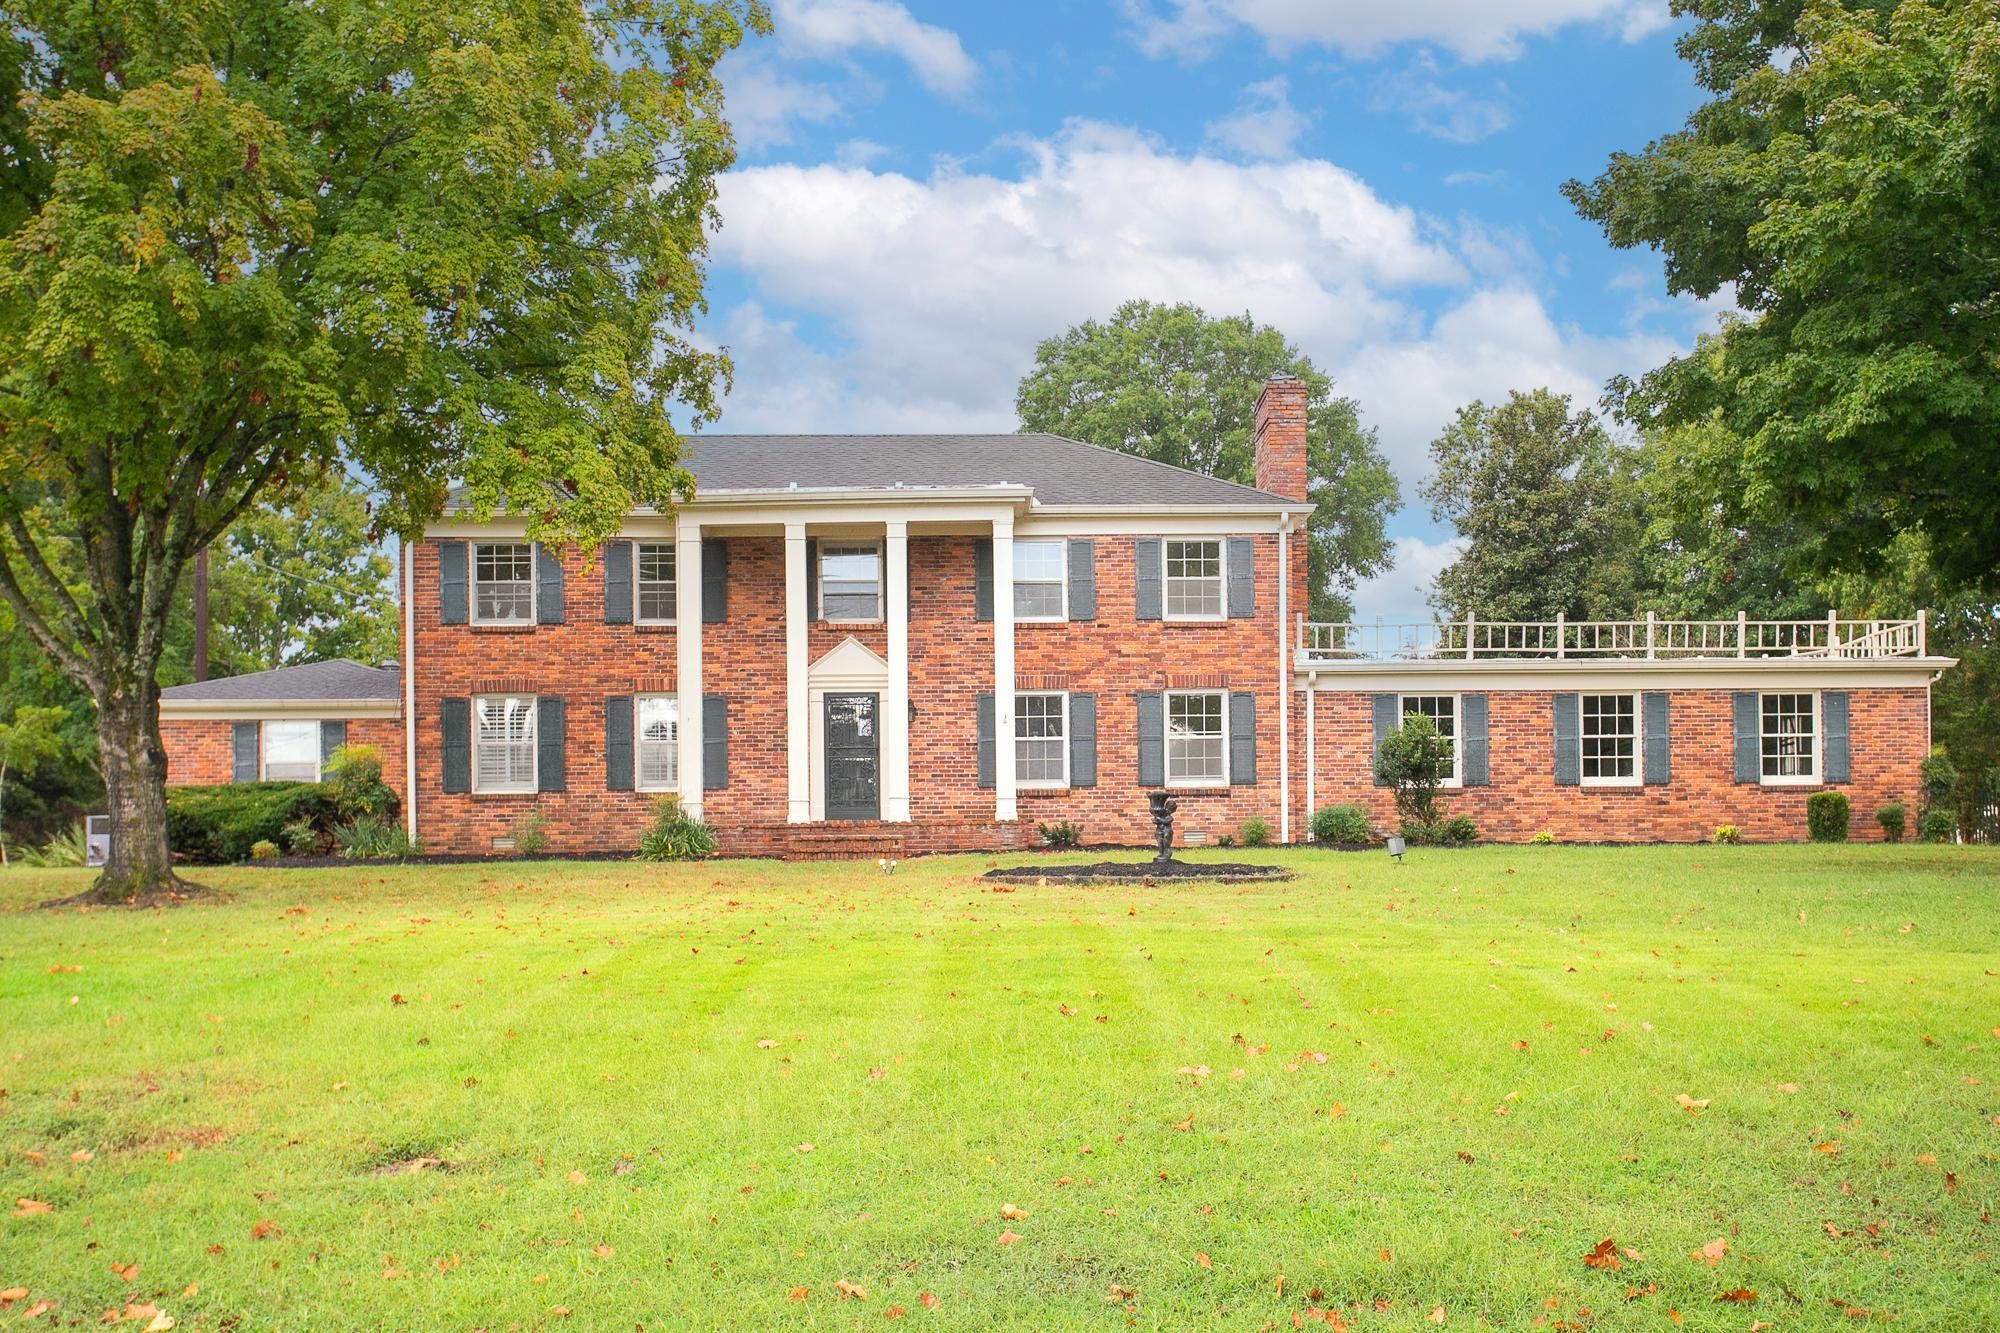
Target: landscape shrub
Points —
{"points": [[1826, 816], [353, 782], [1543, 839], [531, 833], [372, 838], [1457, 831], [675, 835], [216, 825], [1891, 818], [1728, 834], [264, 851], [1936, 826], [1341, 824], [1062, 833], [1256, 831], [70, 847], [1225, 840], [1414, 762]]}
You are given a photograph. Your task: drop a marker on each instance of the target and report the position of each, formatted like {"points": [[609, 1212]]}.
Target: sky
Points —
{"points": [[925, 191]]}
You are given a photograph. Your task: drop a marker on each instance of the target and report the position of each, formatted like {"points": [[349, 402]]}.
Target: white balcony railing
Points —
{"points": [[1322, 643]]}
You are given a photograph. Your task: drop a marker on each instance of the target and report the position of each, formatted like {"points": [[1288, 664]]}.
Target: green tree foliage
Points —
{"points": [[1170, 383], [1843, 184], [248, 243], [32, 739], [1415, 761]]}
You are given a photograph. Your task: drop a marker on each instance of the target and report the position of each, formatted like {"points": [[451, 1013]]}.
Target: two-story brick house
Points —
{"points": [[863, 644]]}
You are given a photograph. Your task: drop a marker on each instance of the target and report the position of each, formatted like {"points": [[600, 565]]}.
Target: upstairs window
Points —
{"points": [[657, 721], [1041, 740], [1442, 712], [1040, 569], [1789, 737], [1197, 741], [503, 583], [291, 751], [503, 742], [1194, 580], [654, 583], [850, 581], [1609, 738]]}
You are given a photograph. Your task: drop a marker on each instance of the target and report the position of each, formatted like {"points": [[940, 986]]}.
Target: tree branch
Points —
{"points": [[30, 619]]}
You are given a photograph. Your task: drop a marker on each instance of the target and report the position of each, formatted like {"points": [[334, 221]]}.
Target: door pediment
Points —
{"points": [[849, 664]]}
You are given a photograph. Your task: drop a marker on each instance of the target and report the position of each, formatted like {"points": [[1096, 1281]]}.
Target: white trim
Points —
{"points": [[472, 616], [638, 738], [1457, 778], [1061, 580], [849, 667], [1771, 675], [408, 667], [894, 779], [534, 779], [798, 699], [675, 582], [1005, 807], [1221, 581], [875, 544], [687, 660], [1816, 778], [263, 746], [1021, 783], [1285, 687], [1167, 698], [1638, 777], [278, 710]]}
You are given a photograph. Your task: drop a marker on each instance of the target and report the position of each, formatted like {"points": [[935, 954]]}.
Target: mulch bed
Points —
{"points": [[1143, 872]]}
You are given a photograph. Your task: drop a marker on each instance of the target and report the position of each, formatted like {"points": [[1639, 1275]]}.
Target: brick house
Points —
{"points": [[869, 644]]}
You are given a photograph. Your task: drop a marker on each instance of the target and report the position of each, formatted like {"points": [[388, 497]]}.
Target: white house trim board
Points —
{"points": [[687, 663], [1769, 674], [798, 698], [849, 667], [279, 710], [895, 718], [1005, 808]]}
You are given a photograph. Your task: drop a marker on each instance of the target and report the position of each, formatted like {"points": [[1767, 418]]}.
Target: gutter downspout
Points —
{"points": [[410, 689], [1284, 682]]}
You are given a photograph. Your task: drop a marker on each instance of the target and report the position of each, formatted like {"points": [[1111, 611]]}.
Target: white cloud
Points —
{"points": [[1266, 124], [1474, 29], [764, 102], [1451, 114], [1400, 595], [828, 29], [1474, 177]]}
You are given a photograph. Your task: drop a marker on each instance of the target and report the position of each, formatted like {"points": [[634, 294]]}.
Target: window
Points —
{"points": [[655, 583], [1039, 569], [657, 721], [1790, 747], [1609, 738], [1194, 580], [503, 582], [850, 581], [291, 751], [503, 745], [1442, 710], [1041, 740], [1197, 742]]}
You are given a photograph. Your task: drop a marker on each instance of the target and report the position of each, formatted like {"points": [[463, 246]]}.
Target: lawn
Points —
{"points": [[743, 1094]]}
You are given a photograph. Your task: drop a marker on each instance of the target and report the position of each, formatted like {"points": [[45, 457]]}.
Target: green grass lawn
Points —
{"points": [[706, 1095]]}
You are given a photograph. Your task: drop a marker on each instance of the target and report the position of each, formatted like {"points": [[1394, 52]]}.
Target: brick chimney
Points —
{"points": [[1281, 437]]}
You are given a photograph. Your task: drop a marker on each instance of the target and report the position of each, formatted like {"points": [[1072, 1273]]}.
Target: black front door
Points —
{"points": [[853, 757]]}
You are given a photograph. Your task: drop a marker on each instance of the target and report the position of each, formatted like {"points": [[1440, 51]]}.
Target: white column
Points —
{"points": [[687, 660], [1003, 669], [798, 700], [896, 706]]}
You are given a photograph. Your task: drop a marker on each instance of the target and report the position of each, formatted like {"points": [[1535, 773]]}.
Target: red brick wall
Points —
{"points": [[1888, 727], [200, 751]]}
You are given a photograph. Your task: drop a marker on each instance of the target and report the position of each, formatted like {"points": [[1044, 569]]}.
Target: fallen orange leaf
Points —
{"points": [[1009, 1237], [1711, 1253], [1604, 1254]]}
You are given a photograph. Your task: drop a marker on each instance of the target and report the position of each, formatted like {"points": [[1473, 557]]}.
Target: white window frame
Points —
{"points": [[1167, 738], [1638, 741], [517, 787], [639, 740], [1061, 580], [1816, 752], [1042, 784], [674, 561], [1220, 578], [264, 748], [827, 545], [1404, 708], [473, 581]]}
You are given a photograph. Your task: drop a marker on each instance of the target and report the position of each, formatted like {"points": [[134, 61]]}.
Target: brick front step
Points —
{"points": [[869, 839]]}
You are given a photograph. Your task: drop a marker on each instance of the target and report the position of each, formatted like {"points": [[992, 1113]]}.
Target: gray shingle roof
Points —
{"points": [[338, 679]]}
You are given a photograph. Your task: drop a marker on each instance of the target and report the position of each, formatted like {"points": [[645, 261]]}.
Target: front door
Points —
{"points": [[853, 757]]}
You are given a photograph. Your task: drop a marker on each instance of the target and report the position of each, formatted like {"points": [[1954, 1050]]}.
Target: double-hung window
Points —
{"points": [[1441, 710], [503, 742], [850, 581], [503, 583], [1039, 580], [1197, 739], [1041, 740], [657, 722], [1194, 580], [1789, 737], [1609, 740], [653, 583], [291, 751]]}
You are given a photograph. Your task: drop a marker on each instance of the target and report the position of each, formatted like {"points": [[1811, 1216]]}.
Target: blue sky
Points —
{"points": [[926, 190]]}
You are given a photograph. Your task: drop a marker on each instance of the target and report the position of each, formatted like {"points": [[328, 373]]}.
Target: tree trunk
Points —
{"points": [[135, 772]]}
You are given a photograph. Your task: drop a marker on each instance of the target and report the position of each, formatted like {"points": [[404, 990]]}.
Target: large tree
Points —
{"points": [[1842, 186], [246, 242], [1170, 383]]}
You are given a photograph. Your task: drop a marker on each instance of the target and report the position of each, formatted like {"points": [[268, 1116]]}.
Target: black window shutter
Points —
{"points": [[451, 583], [1082, 579], [332, 735], [618, 583], [551, 745], [1472, 744], [1152, 740], [1833, 712], [1746, 722], [1242, 740], [1568, 724], [618, 743], [1147, 554], [455, 740], [548, 586], [1241, 567], [984, 723], [982, 578], [812, 578], [1083, 740], [714, 741], [714, 581], [1386, 720], [1656, 721], [243, 752]]}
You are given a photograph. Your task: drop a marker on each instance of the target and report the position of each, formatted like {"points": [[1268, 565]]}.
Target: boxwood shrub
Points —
{"points": [[214, 825], [1826, 816]]}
